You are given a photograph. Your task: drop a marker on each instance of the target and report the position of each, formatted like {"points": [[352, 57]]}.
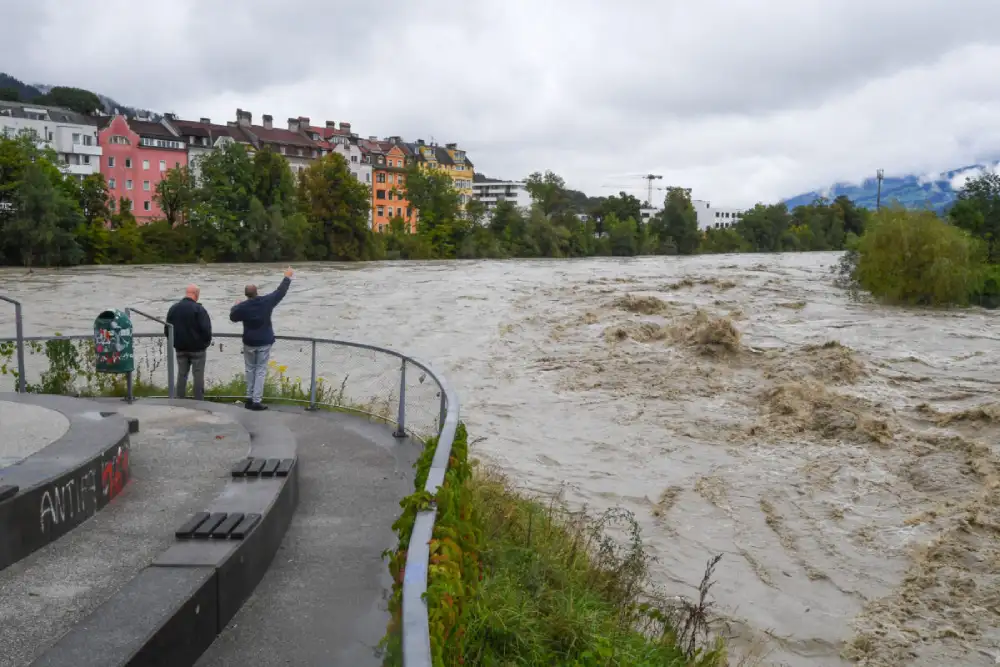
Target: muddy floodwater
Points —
{"points": [[843, 457]]}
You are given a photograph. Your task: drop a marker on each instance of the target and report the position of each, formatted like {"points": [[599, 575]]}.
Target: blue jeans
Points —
{"points": [[255, 360]]}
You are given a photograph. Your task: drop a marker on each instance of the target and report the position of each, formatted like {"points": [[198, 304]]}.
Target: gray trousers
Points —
{"points": [[191, 361], [255, 360]]}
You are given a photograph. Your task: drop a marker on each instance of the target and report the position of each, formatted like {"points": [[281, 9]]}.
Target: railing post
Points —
{"points": [[312, 379], [19, 328], [443, 414], [401, 415], [128, 376], [171, 391]]}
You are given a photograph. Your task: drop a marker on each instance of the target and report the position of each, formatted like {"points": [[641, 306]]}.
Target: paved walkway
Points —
{"points": [[323, 601], [25, 429]]}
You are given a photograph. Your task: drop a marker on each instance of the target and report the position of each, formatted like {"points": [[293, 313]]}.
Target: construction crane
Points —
{"points": [[649, 193], [649, 178]]}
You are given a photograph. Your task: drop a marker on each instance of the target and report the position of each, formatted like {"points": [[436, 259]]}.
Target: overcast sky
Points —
{"points": [[740, 100]]}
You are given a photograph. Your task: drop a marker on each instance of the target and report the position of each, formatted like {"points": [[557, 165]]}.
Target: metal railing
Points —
{"points": [[403, 404]]}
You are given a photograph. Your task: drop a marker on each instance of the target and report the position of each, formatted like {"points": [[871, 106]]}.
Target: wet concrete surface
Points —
{"points": [[324, 599], [25, 429], [178, 460]]}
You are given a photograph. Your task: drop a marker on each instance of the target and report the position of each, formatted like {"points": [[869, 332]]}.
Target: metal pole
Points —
{"points": [[19, 324], [878, 197], [128, 387], [171, 391], [401, 415], [312, 380]]}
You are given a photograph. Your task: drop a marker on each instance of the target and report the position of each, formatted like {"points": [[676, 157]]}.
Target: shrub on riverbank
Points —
{"points": [[518, 581], [916, 258]]}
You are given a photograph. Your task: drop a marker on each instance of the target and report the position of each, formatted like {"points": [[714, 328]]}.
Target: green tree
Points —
{"points": [[10, 95], [432, 192], [337, 206], [548, 191], [764, 227], [43, 221], [222, 203], [76, 99], [977, 210], [676, 226], [175, 194], [273, 183], [622, 205], [623, 235]]}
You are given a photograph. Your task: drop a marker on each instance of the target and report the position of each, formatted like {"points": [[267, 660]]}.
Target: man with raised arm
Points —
{"points": [[192, 337], [258, 336]]}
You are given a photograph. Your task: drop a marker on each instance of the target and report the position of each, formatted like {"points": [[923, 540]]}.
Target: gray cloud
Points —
{"points": [[741, 100]]}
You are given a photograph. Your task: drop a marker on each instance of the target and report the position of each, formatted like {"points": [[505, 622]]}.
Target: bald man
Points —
{"points": [[192, 336]]}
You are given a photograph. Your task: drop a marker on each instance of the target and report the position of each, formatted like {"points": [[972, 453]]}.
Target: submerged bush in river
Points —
{"points": [[914, 257]]}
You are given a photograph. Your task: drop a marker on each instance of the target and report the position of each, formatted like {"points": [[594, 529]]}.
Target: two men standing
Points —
{"points": [[193, 336]]}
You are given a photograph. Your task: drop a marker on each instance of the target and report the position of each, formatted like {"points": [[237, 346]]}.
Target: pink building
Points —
{"points": [[137, 155]]}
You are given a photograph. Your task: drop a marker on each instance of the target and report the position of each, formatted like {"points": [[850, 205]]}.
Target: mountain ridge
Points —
{"points": [[936, 192]]}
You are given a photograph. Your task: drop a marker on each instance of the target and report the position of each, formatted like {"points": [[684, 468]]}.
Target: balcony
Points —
{"points": [[81, 149], [80, 169]]}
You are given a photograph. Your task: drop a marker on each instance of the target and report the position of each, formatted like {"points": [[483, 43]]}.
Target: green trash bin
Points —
{"points": [[113, 342]]}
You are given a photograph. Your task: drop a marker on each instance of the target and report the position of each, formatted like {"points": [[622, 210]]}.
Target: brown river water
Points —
{"points": [[842, 456]]}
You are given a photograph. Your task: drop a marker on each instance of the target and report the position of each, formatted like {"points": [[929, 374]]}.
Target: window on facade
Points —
{"points": [[163, 165], [111, 163], [399, 211], [391, 192], [409, 211], [119, 139], [111, 184], [380, 194], [50, 136], [131, 205], [145, 206], [368, 178], [354, 159], [381, 228], [380, 210], [145, 186], [128, 163], [88, 140], [145, 164], [111, 204], [380, 177], [176, 164], [76, 138], [128, 184], [86, 159]]}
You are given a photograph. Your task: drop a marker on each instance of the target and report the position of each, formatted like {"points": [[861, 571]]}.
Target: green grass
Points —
{"points": [[558, 589]]}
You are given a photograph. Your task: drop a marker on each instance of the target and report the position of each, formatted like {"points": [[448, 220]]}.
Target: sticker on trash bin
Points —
{"points": [[113, 342]]}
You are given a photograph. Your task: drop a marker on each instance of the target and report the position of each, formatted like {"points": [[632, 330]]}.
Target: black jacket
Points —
{"points": [[255, 314], [192, 326]]}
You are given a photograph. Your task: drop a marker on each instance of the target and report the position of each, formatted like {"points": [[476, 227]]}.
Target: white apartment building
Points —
{"points": [[708, 215], [492, 191], [72, 135], [716, 216]]}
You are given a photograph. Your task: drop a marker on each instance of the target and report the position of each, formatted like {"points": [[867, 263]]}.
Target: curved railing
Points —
{"points": [[342, 375]]}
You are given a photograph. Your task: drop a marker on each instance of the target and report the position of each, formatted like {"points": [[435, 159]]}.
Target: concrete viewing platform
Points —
{"points": [[235, 538]]}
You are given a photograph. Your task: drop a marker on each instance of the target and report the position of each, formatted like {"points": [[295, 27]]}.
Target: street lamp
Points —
{"points": [[879, 175]]}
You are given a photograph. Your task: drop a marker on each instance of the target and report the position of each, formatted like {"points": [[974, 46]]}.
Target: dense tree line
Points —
{"points": [[247, 207], [240, 208]]}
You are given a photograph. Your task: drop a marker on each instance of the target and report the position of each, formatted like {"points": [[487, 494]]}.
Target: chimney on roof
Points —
{"points": [[420, 142], [331, 125], [206, 121], [451, 146], [373, 138], [244, 118], [304, 123], [268, 121], [346, 127], [293, 124], [231, 123], [395, 140], [170, 116]]}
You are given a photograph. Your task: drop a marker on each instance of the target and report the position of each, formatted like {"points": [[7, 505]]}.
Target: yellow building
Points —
{"points": [[451, 160]]}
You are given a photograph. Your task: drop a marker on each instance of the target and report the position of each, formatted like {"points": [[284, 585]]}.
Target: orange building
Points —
{"points": [[389, 160]]}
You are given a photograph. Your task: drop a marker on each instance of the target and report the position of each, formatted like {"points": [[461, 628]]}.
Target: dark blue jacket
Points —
{"points": [[255, 314], [192, 326]]}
